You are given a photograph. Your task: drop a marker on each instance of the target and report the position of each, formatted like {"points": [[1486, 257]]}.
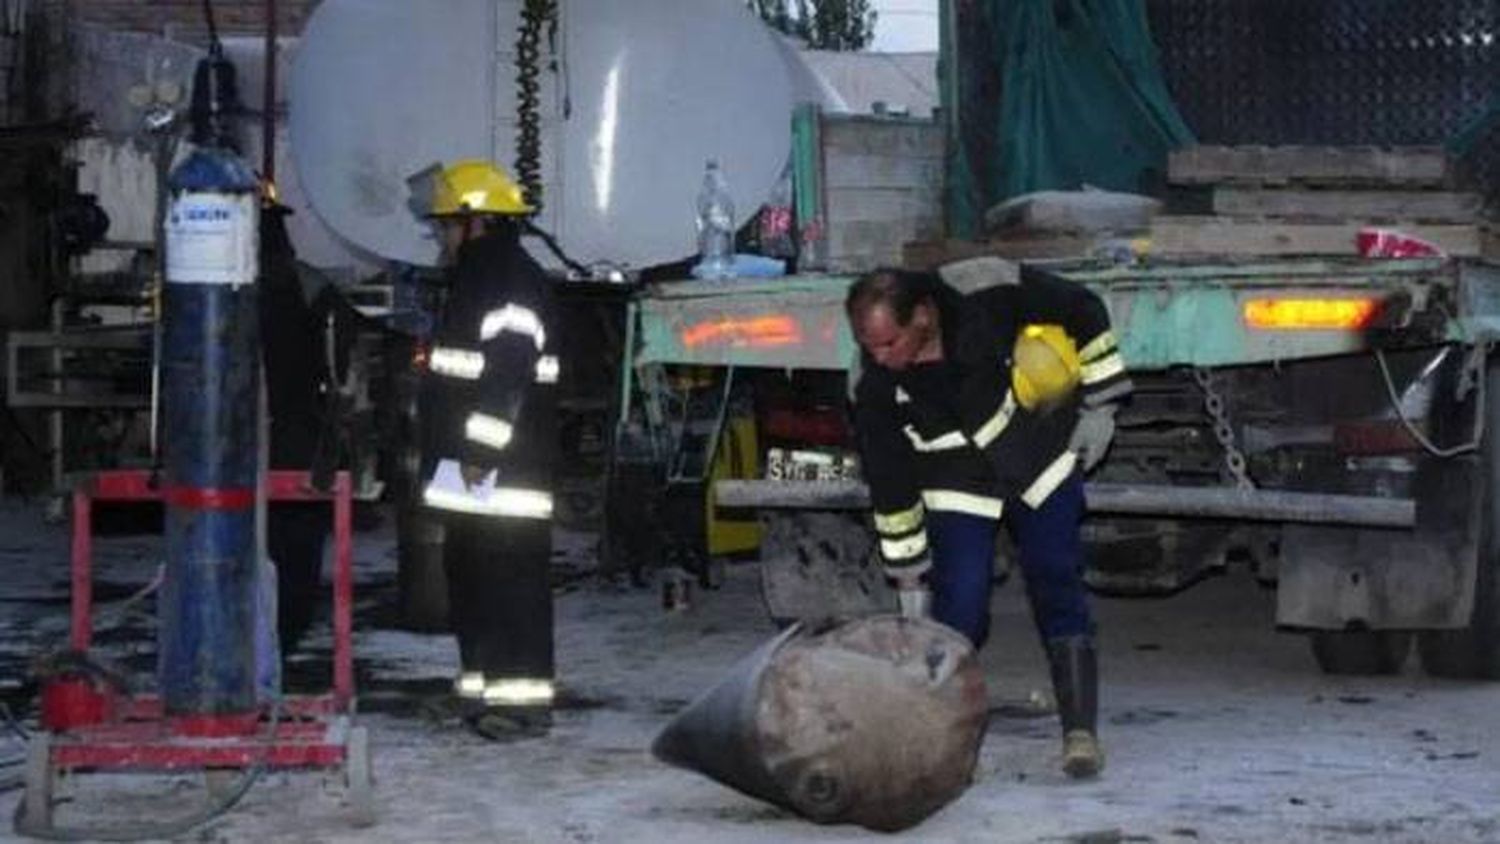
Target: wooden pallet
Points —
{"points": [[1400, 166], [1188, 236], [930, 254], [1300, 204], [1279, 201]]}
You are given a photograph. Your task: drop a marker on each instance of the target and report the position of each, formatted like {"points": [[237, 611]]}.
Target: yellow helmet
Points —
{"points": [[475, 186], [1044, 366]]}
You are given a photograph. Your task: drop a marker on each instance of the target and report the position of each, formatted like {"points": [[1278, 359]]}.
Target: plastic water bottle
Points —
{"points": [[715, 225]]}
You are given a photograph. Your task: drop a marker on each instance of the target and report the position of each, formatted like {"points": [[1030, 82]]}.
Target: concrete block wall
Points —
{"points": [[38, 52], [882, 187], [232, 17]]}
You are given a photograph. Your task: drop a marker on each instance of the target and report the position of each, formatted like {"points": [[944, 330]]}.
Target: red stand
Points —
{"points": [[310, 731]]}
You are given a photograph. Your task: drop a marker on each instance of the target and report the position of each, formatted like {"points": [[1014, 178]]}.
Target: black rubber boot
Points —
{"points": [[511, 723], [1075, 679]]}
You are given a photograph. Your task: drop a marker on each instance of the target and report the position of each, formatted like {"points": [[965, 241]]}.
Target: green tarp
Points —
{"points": [[1082, 101]]}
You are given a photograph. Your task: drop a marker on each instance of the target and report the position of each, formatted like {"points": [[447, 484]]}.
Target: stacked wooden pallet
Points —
{"points": [[1294, 200], [931, 254]]}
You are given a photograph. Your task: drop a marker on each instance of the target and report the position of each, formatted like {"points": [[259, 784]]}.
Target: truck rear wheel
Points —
{"points": [[1469, 653], [1360, 652], [1473, 652]]}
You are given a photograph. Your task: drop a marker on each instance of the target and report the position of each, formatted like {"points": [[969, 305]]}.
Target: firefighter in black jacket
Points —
{"points": [[488, 407], [970, 407]]}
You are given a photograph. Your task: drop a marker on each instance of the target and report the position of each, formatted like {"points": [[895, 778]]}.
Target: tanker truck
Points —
{"points": [[1328, 419]]}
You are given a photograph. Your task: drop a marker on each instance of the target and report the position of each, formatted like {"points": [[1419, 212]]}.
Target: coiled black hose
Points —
{"points": [[534, 14]]}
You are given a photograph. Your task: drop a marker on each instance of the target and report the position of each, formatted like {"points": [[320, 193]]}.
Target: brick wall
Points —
{"points": [[185, 17]]}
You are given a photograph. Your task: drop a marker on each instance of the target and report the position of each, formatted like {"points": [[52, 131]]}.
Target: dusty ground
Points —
{"points": [[1218, 729]]}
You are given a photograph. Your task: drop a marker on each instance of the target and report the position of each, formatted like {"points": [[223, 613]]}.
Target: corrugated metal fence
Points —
{"points": [[1383, 72]]}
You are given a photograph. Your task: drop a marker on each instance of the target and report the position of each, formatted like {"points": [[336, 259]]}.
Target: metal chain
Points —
{"points": [[1218, 411]]}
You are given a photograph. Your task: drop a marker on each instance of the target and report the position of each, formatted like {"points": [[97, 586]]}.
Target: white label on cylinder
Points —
{"points": [[213, 238]]}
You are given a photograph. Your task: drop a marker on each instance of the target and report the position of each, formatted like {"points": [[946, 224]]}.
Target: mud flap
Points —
{"points": [[1335, 578], [875, 722]]}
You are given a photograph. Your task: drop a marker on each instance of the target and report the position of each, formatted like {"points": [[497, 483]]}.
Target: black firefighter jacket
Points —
{"points": [[489, 398], [949, 436]]}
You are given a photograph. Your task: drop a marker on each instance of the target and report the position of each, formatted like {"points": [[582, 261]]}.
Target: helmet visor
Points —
{"points": [[428, 191]]}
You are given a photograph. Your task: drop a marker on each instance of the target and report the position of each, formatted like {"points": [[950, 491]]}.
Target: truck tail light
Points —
{"points": [[1344, 314], [754, 331]]}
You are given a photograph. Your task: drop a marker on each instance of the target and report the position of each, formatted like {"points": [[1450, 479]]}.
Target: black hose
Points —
{"points": [[165, 829], [215, 48], [536, 231], [12, 724], [534, 13]]}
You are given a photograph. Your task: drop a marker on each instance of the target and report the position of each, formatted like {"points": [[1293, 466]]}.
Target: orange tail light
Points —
{"points": [[1310, 314], [767, 330]]}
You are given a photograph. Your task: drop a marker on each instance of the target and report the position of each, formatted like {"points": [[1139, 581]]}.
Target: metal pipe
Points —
{"points": [[343, 590], [952, 95], [57, 454], [1132, 499], [268, 115], [810, 495], [1259, 504], [82, 628]]}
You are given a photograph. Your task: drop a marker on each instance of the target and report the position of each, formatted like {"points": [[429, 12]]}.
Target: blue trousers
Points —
{"points": [[1051, 552]]}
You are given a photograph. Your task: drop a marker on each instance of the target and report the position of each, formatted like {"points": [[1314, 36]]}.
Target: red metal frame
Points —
{"points": [[310, 730]]}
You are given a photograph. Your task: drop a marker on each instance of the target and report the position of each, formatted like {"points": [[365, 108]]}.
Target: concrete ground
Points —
{"points": [[1218, 728]]}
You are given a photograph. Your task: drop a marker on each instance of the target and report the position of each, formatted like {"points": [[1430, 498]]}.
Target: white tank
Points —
{"points": [[634, 97]]}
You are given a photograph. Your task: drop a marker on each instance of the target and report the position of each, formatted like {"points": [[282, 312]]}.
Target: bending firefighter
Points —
{"points": [[487, 407], [973, 407]]}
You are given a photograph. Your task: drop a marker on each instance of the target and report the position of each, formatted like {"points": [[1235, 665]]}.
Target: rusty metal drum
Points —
{"points": [[875, 722]]}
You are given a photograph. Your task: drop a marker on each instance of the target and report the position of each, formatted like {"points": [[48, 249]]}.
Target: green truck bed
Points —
{"points": [[1165, 315]]}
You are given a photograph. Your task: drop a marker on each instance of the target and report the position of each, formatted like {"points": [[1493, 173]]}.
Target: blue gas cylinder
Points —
{"points": [[209, 396]]}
